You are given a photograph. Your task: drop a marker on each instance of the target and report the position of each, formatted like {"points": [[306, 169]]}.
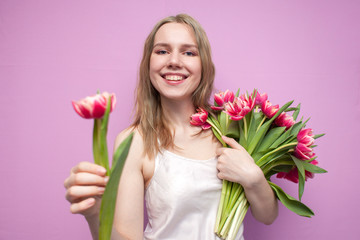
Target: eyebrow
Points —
{"points": [[167, 45]]}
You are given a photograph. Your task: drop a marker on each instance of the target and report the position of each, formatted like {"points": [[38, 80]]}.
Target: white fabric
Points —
{"points": [[182, 199]]}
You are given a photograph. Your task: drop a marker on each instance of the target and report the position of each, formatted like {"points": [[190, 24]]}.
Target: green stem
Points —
{"points": [[96, 141], [245, 128], [261, 123], [218, 131], [238, 219], [234, 215], [220, 208]]}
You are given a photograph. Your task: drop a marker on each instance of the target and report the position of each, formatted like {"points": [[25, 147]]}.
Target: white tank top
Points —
{"points": [[182, 199]]}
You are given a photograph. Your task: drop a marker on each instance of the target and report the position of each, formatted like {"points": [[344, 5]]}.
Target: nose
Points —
{"points": [[175, 60]]}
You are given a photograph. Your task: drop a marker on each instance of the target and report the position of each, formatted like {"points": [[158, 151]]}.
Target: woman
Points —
{"points": [[174, 166]]}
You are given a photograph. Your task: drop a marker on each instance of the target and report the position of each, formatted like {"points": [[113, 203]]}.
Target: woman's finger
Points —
{"points": [[89, 168], [84, 178], [231, 142], [76, 192], [82, 206]]}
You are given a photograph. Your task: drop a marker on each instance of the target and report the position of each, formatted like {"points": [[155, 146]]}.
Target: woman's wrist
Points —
{"points": [[93, 222]]}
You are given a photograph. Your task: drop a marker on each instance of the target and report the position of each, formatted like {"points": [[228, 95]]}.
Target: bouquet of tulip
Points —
{"points": [[98, 107], [277, 143]]}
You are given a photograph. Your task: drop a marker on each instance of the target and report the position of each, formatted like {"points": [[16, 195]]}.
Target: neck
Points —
{"points": [[178, 112]]}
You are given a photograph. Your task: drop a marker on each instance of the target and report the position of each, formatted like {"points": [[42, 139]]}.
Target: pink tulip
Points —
{"points": [[284, 120], [268, 109], [305, 136], [293, 174], [221, 98], [94, 106], [260, 98], [239, 108], [199, 119], [303, 149]]}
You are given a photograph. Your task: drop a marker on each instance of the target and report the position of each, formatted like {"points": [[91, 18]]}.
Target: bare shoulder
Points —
{"points": [[137, 145]]}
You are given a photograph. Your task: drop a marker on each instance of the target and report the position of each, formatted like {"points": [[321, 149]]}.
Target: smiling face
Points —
{"points": [[175, 64]]}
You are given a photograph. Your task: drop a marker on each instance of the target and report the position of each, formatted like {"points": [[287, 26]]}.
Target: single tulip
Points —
{"points": [[94, 106], [303, 149], [268, 109], [284, 120], [199, 119], [306, 137], [221, 98], [260, 98]]}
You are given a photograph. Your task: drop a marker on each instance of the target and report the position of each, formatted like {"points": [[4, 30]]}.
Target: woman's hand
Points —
{"points": [[236, 165], [85, 185]]}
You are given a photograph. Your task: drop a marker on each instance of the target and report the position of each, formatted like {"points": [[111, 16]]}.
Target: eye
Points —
{"points": [[190, 53], [161, 52]]}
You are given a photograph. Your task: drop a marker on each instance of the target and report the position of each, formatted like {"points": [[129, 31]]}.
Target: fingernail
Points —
{"points": [[90, 201], [101, 190], [106, 179], [102, 170]]}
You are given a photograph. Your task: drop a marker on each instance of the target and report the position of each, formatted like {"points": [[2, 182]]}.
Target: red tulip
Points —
{"points": [[284, 120], [94, 106], [199, 119], [221, 98], [268, 109]]}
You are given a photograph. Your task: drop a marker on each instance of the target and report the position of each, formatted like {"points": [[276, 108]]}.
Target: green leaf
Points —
{"points": [[296, 112], [108, 202], [223, 121], [263, 129], [270, 138], [285, 136], [312, 168], [233, 130], [295, 129], [319, 135], [237, 93], [291, 203], [301, 174], [255, 120], [242, 139]]}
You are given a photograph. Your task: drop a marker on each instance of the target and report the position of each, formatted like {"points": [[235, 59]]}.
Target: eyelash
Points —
{"points": [[187, 53]]}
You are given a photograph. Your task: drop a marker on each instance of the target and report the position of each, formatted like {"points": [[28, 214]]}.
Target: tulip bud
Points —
{"points": [[284, 120], [199, 119], [268, 109], [260, 98], [94, 106]]}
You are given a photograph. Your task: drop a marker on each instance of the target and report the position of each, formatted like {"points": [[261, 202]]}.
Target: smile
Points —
{"points": [[174, 77]]}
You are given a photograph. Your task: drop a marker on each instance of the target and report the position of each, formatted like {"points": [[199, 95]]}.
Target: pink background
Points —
{"points": [[52, 52]]}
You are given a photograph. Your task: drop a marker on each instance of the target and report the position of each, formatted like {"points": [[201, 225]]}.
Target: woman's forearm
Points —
{"points": [[263, 203]]}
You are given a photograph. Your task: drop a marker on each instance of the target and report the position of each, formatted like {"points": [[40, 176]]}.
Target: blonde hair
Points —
{"points": [[149, 117]]}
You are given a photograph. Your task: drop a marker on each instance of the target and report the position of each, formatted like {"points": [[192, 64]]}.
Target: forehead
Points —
{"points": [[175, 33]]}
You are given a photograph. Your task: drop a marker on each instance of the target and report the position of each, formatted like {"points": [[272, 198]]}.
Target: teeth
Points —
{"points": [[174, 77]]}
